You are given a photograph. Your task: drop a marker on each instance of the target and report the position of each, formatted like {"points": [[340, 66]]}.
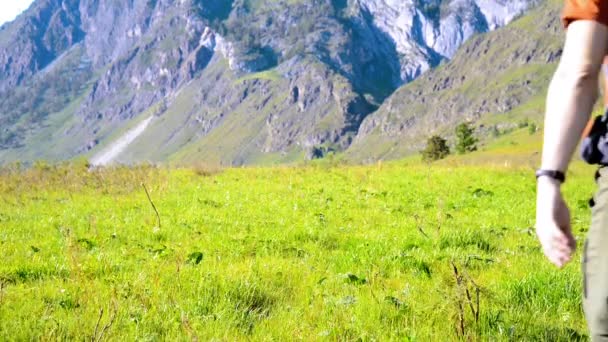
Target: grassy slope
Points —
{"points": [[51, 136], [177, 137], [309, 252], [240, 132]]}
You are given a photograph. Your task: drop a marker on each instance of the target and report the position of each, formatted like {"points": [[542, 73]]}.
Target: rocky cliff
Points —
{"points": [[495, 81], [233, 82]]}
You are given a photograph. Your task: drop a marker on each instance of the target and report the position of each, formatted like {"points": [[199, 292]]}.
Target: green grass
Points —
{"points": [[316, 252], [267, 75]]}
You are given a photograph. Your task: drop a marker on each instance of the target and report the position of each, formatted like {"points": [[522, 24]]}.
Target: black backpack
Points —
{"points": [[594, 148]]}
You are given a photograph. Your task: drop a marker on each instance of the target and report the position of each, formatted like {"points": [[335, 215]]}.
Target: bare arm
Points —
{"points": [[572, 94], [604, 76]]}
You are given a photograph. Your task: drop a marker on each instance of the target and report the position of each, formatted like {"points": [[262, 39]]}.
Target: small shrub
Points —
{"points": [[523, 124], [436, 148]]}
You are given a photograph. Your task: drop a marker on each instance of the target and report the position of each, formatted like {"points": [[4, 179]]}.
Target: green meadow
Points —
{"points": [[392, 251]]}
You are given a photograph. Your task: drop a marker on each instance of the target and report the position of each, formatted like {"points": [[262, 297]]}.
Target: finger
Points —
{"points": [[557, 257], [571, 240], [565, 256], [573, 245], [565, 239], [554, 240], [560, 260], [553, 256], [566, 244], [562, 246], [548, 240], [559, 235], [556, 261], [553, 247], [563, 262], [560, 255]]}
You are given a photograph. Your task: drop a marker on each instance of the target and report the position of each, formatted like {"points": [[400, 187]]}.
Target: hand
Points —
{"points": [[553, 222]]}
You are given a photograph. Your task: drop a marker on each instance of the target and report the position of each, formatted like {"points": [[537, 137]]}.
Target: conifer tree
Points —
{"points": [[465, 140]]}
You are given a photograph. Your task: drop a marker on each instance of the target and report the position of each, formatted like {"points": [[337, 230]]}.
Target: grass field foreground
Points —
{"points": [[387, 251]]}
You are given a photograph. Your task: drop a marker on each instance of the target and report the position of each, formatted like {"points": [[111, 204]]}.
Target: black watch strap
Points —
{"points": [[555, 174]]}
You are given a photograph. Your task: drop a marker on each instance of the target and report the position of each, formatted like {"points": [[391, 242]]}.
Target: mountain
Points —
{"points": [[496, 80], [218, 81]]}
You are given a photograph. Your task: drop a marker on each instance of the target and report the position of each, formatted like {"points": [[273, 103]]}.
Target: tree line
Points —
{"points": [[437, 147]]}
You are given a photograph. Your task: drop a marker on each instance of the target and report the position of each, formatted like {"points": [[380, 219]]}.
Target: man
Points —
{"points": [[570, 100]]}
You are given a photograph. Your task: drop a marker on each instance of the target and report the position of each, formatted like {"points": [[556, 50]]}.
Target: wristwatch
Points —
{"points": [[555, 174]]}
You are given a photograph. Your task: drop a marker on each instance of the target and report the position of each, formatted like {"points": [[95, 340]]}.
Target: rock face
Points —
{"points": [[266, 80], [33, 42], [502, 72], [426, 32]]}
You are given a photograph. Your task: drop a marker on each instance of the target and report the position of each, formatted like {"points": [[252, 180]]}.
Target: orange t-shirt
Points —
{"points": [[585, 10]]}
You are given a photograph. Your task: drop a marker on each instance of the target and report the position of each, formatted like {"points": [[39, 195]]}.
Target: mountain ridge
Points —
{"points": [[301, 76], [527, 53]]}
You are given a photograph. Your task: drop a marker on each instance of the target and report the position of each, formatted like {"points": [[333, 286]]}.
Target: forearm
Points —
{"points": [[573, 92], [569, 103], [604, 76]]}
